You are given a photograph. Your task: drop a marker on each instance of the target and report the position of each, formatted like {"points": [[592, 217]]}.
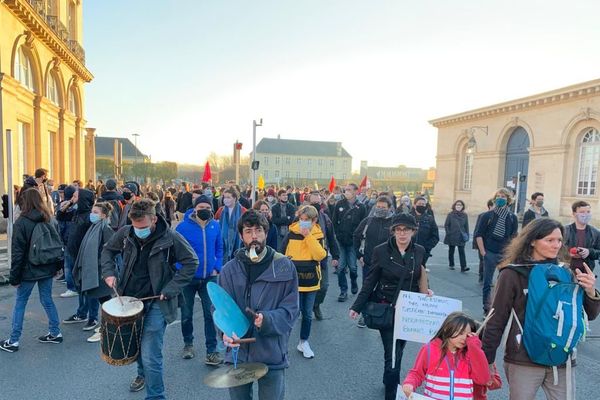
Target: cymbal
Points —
{"points": [[227, 376]]}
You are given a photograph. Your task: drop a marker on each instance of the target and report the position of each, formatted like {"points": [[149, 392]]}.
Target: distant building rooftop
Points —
{"points": [[105, 147], [301, 148]]}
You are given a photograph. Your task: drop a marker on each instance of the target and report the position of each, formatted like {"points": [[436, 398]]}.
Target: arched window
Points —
{"points": [[72, 101], [23, 70], [52, 89], [468, 169], [589, 157]]}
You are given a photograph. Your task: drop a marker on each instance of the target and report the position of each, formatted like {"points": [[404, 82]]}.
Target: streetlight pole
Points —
{"points": [[254, 125]]}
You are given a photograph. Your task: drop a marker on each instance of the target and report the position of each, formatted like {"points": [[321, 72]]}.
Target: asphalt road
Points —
{"points": [[348, 362]]}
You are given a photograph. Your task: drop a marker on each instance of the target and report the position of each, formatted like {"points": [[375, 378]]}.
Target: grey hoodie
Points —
{"points": [[275, 295]]}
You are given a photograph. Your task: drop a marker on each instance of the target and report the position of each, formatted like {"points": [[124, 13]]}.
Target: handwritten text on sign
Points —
{"points": [[419, 317]]}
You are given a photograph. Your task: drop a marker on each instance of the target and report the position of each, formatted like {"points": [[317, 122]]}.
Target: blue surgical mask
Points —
{"points": [[142, 233], [500, 202], [94, 218], [584, 218], [305, 224]]}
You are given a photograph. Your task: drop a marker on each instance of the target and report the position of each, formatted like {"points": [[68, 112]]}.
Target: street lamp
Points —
{"points": [[254, 164], [135, 136]]}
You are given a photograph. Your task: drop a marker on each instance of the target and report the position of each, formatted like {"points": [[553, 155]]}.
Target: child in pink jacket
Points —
{"points": [[451, 363]]}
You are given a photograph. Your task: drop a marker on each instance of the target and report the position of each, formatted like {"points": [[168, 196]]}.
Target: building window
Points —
{"points": [[276, 173], [468, 170], [320, 162], [287, 161], [344, 176], [23, 70], [309, 175], [589, 157], [331, 163], [277, 160], [298, 161], [52, 89], [266, 174], [287, 174], [297, 174], [309, 162], [266, 160]]}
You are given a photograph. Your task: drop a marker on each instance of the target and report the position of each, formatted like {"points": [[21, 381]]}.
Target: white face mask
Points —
{"points": [[228, 201]]}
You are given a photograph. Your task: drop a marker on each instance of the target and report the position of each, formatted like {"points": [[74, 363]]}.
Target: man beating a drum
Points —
{"points": [[265, 281], [150, 250]]}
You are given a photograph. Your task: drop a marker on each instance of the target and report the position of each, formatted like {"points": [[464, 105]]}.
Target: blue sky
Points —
{"points": [[189, 76]]}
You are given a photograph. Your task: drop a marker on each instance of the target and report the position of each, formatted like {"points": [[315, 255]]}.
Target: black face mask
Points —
{"points": [[204, 214], [421, 209], [127, 195], [316, 205]]}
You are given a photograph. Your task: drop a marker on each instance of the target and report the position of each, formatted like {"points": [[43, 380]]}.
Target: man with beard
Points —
{"points": [[268, 285]]}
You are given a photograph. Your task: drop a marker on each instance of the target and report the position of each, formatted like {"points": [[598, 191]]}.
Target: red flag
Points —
{"points": [[207, 177], [365, 183], [331, 184]]}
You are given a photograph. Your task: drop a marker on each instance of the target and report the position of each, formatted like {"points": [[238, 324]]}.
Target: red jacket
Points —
{"points": [[470, 368]]}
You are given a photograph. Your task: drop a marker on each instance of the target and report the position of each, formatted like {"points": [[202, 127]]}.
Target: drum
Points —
{"points": [[121, 330]]}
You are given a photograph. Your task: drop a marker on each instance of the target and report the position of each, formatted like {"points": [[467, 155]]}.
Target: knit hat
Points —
{"points": [[132, 187], [406, 220], [271, 192], [202, 199], [111, 184]]}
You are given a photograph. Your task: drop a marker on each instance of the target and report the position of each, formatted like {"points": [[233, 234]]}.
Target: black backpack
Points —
{"points": [[45, 246]]}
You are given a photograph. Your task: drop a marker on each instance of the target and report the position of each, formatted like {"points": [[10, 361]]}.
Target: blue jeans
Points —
{"points": [[150, 361], [347, 261], [69, 264], [23, 293], [88, 307], [307, 302], [187, 313], [490, 261], [270, 387]]}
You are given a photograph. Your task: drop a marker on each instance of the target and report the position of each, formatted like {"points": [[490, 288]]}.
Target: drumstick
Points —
{"points": [[118, 297], [251, 312], [145, 298], [248, 340], [485, 321]]}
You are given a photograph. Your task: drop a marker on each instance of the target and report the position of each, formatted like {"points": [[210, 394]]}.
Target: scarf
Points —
{"points": [[500, 227], [231, 237], [86, 263]]}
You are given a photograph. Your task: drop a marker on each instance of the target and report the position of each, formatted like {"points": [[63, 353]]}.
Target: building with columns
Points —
{"points": [[550, 140], [42, 77]]}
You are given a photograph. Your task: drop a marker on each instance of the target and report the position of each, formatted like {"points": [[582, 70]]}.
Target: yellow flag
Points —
{"points": [[261, 183]]}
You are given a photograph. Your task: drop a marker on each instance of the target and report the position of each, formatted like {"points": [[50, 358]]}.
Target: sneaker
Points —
{"points": [[48, 338], [188, 352], [61, 277], [213, 359], [9, 347], [361, 322], [95, 338], [69, 293], [138, 384], [343, 297], [304, 348], [466, 269], [74, 319], [451, 267], [354, 288], [91, 325], [318, 313]]}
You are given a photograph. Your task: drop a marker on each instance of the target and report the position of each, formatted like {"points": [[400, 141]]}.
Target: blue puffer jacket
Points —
{"points": [[206, 242]]}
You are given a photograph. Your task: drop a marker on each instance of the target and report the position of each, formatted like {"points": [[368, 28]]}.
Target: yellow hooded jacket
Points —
{"points": [[306, 253]]}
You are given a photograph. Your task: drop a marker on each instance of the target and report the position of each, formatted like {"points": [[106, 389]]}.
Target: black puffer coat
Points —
{"points": [[20, 268], [81, 221], [457, 229]]}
